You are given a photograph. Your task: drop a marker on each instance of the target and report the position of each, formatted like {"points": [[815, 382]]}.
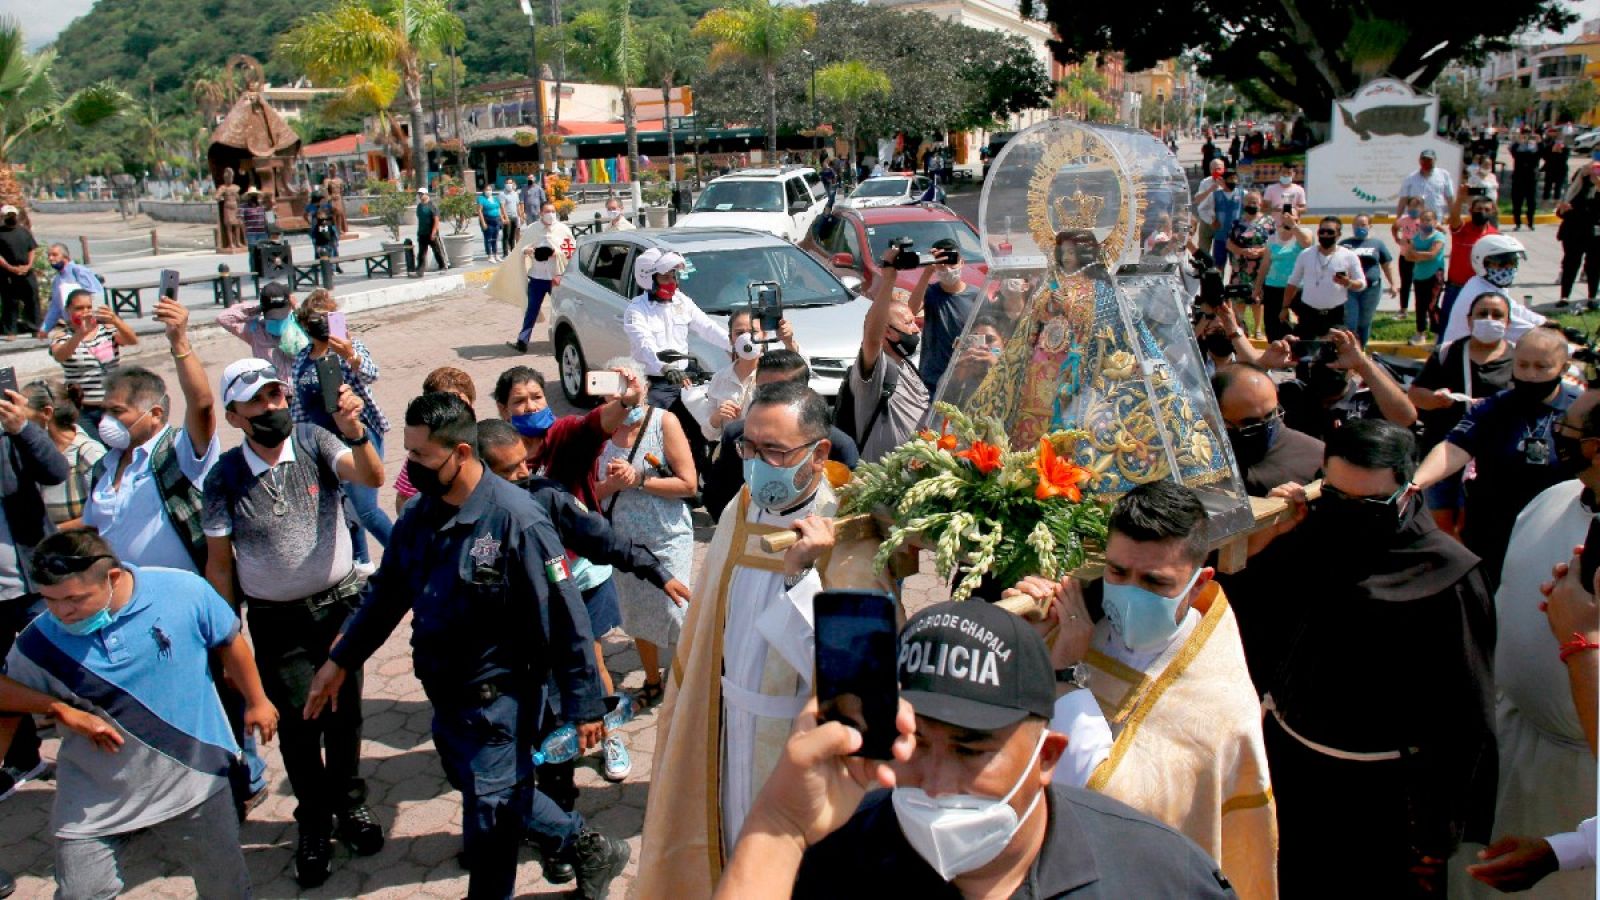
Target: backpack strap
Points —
{"points": [[891, 380], [179, 497]]}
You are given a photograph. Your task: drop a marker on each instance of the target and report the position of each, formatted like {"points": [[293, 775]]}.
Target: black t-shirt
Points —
{"points": [[16, 243], [946, 317], [1293, 457], [1443, 370], [1095, 847], [426, 214]]}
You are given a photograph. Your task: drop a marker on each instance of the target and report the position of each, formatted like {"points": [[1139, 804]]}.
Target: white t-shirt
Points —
{"points": [[1313, 275]]}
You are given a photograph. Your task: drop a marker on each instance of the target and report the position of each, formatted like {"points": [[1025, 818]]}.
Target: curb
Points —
{"points": [[36, 362]]}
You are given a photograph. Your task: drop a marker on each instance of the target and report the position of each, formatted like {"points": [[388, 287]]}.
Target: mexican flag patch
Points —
{"points": [[556, 570]]}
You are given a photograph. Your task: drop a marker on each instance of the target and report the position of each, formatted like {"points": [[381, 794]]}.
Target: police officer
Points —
{"points": [[496, 620]]}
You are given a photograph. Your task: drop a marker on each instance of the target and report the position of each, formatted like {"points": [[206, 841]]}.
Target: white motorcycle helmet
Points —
{"points": [[1495, 245]]}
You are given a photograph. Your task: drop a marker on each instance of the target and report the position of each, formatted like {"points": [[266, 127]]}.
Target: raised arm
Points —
{"points": [[200, 413], [877, 321], [919, 294]]}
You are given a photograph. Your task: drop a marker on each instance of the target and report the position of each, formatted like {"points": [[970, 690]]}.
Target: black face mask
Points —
{"points": [[316, 327], [905, 344], [427, 481], [1480, 219], [271, 428], [1252, 443], [1533, 393], [1251, 210], [1360, 520], [1217, 344], [1327, 240]]}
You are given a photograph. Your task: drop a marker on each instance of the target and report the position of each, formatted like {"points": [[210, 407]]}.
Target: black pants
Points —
{"points": [[1579, 245], [668, 395], [15, 616], [509, 229], [1405, 266], [19, 305], [320, 756], [437, 246], [1312, 323], [1553, 183], [1524, 190], [1271, 307], [1428, 291]]}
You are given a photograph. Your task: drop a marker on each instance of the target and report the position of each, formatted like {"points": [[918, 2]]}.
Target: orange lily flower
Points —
{"points": [[985, 456], [944, 440], [1059, 477]]}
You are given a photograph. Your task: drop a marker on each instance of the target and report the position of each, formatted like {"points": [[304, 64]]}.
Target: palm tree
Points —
{"points": [[208, 91], [360, 41], [762, 32], [610, 45], [670, 60], [30, 104], [848, 87]]}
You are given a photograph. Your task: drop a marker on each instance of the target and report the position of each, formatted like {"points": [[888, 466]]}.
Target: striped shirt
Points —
{"points": [[64, 502], [95, 357]]}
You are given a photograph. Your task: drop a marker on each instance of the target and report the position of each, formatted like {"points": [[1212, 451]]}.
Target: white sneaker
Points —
{"points": [[618, 764], [366, 569]]}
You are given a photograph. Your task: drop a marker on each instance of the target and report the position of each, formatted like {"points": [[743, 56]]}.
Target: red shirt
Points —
{"points": [[570, 451], [1461, 241]]}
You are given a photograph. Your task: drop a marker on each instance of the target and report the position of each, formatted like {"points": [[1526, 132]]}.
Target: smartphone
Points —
{"points": [[766, 308], [329, 378], [857, 678], [947, 257], [169, 283], [604, 383], [1477, 192], [1317, 351], [337, 327], [8, 381], [1587, 563], [1288, 207]]}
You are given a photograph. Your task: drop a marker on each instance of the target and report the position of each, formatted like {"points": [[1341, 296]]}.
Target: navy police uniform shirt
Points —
{"points": [[491, 596], [1094, 847]]}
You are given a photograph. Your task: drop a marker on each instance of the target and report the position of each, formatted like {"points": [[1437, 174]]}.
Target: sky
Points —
{"points": [[42, 21]]}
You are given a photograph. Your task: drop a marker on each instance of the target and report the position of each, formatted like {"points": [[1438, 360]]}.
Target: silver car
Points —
{"points": [[586, 312]]}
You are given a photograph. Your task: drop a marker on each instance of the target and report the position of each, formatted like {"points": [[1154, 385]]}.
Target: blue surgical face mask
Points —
{"points": [[1144, 619], [275, 326], [1425, 229], [773, 487], [1361, 233], [634, 416], [534, 424], [92, 624]]}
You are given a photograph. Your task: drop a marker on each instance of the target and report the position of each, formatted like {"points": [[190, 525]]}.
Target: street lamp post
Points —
{"points": [[533, 75], [816, 123]]}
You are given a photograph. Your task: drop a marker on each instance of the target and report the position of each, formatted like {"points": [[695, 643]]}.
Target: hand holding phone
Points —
{"points": [[603, 383], [857, 676], [169, 283], [1589, 561], [329, 378], [8, 380], [337, 326]]}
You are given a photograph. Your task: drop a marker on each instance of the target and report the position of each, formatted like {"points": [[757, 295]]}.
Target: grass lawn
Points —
{"points": [[1391, 326]]}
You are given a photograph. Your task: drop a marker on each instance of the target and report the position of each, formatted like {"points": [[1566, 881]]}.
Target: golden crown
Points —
{"points": [[1079, 210]]}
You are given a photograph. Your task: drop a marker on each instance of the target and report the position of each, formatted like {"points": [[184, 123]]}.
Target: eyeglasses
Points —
{"points": [[60, 565], [250, 377], [1334, 493], [1252, 427], [775, 456]]}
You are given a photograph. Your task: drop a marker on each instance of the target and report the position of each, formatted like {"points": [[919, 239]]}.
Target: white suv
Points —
{"points": [[782, 202]]}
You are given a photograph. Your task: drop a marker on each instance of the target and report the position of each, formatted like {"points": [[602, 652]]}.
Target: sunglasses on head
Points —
{"points": [[60, 565], [250, 377]]}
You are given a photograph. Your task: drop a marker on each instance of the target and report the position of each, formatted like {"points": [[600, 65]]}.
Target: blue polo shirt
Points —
{"points": [[147, 673]]}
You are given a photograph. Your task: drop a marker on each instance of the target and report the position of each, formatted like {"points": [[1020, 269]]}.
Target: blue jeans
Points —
{"points": [[487, 754], [1219, 250], [363, 513], [538, 290], [1360, 308], [491, 238]]}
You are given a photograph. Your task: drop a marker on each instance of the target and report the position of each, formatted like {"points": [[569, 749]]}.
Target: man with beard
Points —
{"points": [[1511, 439], [1405, 760], [1268, 452]]}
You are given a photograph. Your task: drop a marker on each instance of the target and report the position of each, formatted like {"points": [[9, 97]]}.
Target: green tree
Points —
{"points": [[360, 41], [1081, 93], [1512, 100], [609, 44], [1305, 53], [32, 106], [847, 88], [1459, 99], [759, 31], [1578, 99], [672, 57]]}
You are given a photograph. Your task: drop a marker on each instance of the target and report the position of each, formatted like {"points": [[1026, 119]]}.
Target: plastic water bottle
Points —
{"points": [[559, 747]]}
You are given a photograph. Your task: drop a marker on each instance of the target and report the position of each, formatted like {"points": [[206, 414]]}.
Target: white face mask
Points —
{"points": [[1489, 331], [1286, 179], [949, 277], [957, 833], [114, 434], [548, 218], [613, 214], [745, 347]]}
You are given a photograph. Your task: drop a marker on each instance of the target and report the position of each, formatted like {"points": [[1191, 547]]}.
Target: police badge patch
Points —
{"points": [[485, 551]]}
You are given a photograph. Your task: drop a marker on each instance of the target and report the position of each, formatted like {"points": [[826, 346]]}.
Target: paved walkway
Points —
{"points": [[408, 791]]}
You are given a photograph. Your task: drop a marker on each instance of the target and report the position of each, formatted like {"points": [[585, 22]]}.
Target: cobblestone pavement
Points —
{"points": [[407, 788]]}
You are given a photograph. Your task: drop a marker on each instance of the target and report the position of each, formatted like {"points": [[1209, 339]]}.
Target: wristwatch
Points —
{"points": [[366, 438], [790, 581], [1075, 675]]}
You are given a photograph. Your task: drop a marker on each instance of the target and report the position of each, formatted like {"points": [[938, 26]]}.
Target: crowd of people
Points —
{"points": [[1166, 730]]}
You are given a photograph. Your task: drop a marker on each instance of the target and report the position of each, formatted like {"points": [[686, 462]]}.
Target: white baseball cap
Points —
{"points": [[422, 190], [244, 378], [8, 210]]}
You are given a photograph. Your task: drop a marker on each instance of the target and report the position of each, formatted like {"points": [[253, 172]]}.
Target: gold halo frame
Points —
{"points": [[1048, 215]]}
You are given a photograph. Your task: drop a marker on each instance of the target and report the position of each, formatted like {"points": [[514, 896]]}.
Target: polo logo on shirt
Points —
{"points": [[486, 551], [163, 643], [556, 570]]}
